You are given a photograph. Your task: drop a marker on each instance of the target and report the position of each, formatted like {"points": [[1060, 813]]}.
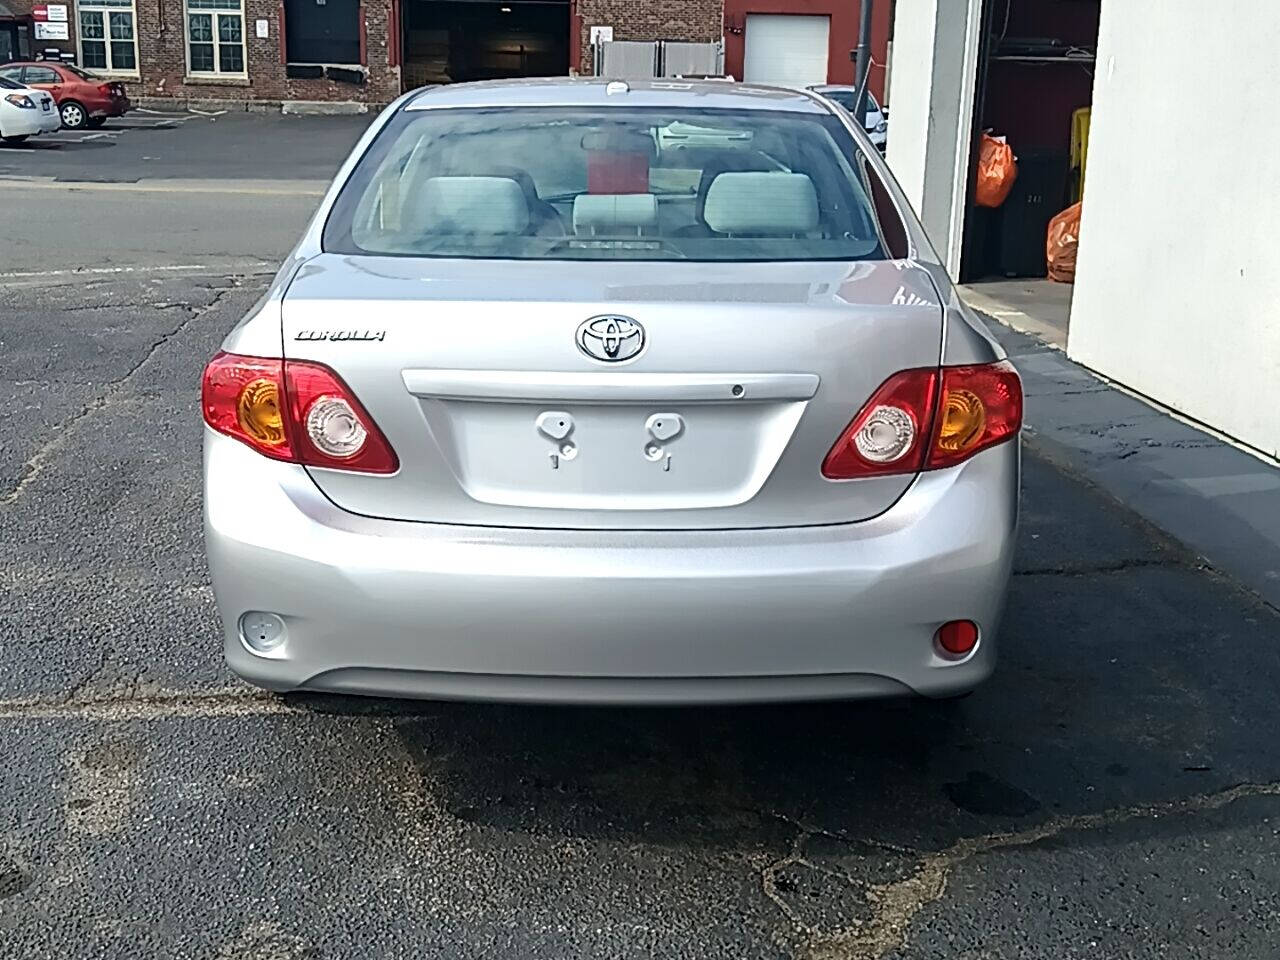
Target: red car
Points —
{"points": [[83, 99]]}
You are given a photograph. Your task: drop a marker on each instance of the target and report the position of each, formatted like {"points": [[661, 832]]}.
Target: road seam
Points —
{"points": [[230, 702], [36, 464], [895, 905]]}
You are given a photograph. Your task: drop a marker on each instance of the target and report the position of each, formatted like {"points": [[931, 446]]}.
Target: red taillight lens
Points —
{"points": [[330, 427], [891, 431], [978, 407], [293, 410], [243, 397], [104, 88], [928, 419]]}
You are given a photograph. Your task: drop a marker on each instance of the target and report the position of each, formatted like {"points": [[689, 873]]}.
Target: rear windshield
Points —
{"points": [[614, 184]]}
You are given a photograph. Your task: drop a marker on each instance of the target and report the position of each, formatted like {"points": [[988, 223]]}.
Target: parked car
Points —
{"points": [[877, 123], [83, 99], [25, 112], [516, 421]]}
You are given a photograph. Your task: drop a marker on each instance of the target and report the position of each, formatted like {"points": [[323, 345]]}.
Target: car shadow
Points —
{"points": [[1129, 677], [38, 145]]}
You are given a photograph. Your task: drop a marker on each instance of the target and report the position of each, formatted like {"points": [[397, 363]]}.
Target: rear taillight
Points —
{"points": [[104, 88], [979, 407], [927, 419], [293, 410], [889, 434]]}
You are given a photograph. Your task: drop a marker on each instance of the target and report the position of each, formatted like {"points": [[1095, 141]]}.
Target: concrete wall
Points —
{"points": [[1178, 281], [935, 52]]}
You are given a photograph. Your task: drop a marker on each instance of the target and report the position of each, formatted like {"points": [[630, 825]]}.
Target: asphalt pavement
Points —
{"points": [[1113, 792]]}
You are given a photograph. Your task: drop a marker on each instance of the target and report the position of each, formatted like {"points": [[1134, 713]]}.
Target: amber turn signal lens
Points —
{"points": [[258, 410], [964, 418]]}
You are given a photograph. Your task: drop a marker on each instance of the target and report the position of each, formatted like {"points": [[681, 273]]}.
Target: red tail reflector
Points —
{"points": [[293, 410], [957, 637], [928, 419]]}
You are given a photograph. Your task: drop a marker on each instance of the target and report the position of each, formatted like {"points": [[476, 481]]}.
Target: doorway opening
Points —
{"points": [[1035, 89], [454, 41]]}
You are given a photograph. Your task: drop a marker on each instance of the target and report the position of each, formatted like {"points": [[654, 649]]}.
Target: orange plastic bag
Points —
{"points": [[997, 170], [1061, 244]]}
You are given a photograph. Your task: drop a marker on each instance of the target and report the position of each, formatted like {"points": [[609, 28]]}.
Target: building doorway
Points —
{"points": [[1035, 88], [454, 41], [786, 50]]}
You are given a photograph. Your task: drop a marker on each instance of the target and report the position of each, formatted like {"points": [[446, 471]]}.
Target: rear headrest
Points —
{"points": [[614, 212], [483, 205], [761, 204], [521, 177]]}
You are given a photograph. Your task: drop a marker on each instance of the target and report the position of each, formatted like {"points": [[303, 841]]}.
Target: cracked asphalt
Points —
{"points": [[1114, 792]]}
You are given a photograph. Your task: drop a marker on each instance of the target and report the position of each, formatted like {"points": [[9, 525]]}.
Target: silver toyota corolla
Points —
{"points": [[589, 391]]}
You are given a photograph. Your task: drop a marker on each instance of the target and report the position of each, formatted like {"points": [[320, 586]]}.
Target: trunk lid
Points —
{"points": [[477, 372]]}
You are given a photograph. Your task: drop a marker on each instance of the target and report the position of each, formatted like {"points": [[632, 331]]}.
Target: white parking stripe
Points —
{"points": [[158, 268], [263, 188]]}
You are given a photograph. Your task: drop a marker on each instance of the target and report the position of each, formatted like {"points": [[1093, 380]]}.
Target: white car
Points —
{"points": [[25, 112], [877, 122]]}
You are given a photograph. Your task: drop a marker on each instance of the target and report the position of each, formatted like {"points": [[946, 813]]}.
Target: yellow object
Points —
{"points": [[1079, 148], [963, 420], [258, 409]]}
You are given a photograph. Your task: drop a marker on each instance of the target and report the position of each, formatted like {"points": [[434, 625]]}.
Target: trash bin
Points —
{"points": [[1038, 195]]}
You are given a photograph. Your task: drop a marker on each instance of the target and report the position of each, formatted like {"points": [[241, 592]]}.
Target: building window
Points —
{"points": [[215, 37], [327, 32], [108, 40]]}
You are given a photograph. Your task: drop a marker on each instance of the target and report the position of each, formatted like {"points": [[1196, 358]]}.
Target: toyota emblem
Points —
{"points": [[610, 339]]}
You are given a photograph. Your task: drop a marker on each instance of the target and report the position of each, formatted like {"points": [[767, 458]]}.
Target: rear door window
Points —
{"points": [[40, 75], [648, 184]]}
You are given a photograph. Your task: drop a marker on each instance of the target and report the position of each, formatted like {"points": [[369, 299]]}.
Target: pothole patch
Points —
{"points": [[13, 879]]}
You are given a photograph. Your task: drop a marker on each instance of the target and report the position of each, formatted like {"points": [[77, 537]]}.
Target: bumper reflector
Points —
{"points": [[957, 638]]}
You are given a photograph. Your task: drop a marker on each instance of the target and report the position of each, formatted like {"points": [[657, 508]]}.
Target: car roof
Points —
{"points": [[599, 92]]}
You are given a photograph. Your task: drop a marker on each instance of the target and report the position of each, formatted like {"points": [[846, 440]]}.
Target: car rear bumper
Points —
{"points": [[438, 611], [111, 108], [29, 123]]}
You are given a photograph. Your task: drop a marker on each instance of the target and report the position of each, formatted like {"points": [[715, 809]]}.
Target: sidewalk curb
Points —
{"points": [[208, 105], [1218, 499]]}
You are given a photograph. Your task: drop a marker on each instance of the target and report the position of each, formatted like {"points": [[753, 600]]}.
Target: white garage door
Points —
{"points": [[785, 50]]}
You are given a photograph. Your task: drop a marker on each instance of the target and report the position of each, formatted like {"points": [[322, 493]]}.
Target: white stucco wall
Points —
{"points": [[935, 52], [1178, 280]]}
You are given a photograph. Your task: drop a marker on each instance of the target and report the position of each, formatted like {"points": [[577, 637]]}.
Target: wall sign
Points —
{"points": [[57, 12], [601, 35], [261, 29], [51, 31]]}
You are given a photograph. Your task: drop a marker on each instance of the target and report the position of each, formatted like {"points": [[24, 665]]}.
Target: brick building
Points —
{"points": [[369, 51]]}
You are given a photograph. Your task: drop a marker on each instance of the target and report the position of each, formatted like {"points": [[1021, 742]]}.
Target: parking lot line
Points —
{"points": [[90, 271], [265, 188]]}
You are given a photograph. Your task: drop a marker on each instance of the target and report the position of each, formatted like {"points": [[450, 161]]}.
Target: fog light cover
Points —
{"points": [[262, 632]]}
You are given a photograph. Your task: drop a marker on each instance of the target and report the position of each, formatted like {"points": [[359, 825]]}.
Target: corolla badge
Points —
{"points": [[610, 338]]}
